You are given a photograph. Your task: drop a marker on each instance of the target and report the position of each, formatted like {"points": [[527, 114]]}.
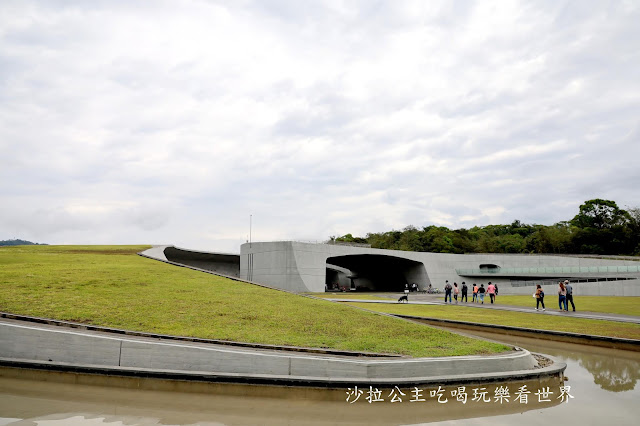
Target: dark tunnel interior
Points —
{"points": [[225, 264], [379, 272]]}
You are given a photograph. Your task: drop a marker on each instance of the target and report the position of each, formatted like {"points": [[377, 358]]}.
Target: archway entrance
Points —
{"points": [[372, 272]]}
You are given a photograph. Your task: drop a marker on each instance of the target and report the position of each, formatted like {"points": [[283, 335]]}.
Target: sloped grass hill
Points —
{"points": [[113, 286]]}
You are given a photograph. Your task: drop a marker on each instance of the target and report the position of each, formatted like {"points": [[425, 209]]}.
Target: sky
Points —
{"points": [[205, 123]]}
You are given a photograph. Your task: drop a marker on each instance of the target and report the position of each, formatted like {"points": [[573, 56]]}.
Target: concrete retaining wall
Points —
{"points": [[221, 263], [60, 345]]}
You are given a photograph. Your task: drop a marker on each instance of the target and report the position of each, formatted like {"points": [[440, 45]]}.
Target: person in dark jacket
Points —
{"points": [[464, 292], [539, 294], [481, 292], [569, 289], [447, 292]]}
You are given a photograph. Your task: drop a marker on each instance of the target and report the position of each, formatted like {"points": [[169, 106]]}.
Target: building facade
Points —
{"points": [[304, 267]]}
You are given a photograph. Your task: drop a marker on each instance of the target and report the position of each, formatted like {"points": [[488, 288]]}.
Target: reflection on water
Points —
{"points": [[613, 374], [61, 404], [602, 381], [77, 420], [613, 370]]}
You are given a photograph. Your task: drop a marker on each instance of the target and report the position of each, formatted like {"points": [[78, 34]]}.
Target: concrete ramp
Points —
{"points": [[220, 263]]}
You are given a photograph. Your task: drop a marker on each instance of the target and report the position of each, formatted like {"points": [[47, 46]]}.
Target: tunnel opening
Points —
{"points": [[489, 267], [225, 264], [338, 279], [367, 272]]}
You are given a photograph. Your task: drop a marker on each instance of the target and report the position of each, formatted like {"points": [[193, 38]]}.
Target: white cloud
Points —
{"points": [[125, 122]]}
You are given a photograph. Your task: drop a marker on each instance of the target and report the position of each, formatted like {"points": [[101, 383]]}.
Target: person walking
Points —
{"points": [[456, 291], [481, 292], [569, 289], [475, 293], [539, 294], [447, 292], [491, 289], [464, 293], [496, 295], [562, 297]]}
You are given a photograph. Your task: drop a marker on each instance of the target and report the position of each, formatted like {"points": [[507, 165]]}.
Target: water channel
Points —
{"points": [[603, 386]]}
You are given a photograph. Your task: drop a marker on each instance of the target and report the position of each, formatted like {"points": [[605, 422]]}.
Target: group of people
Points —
{"points": [[565, 296], [478, 292]]}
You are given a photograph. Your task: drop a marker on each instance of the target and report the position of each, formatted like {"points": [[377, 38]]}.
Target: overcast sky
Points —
{"points": [[125, 122]]}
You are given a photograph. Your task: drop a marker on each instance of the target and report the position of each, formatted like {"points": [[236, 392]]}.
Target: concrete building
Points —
{"points": [[302, 267], [305, 267]]}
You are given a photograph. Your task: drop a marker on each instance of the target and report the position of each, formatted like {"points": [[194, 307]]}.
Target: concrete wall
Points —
{"points": [[60, 345], [222, 263], [441, 267], [301, 267], [602, 288], [274, 264]]}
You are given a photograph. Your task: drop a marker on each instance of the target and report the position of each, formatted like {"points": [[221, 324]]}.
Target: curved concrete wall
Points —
{"points": [[22, 341], [276, 265], [221, 263], [301, 267]]}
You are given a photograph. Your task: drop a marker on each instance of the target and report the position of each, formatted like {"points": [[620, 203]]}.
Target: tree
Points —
{"points": [[634, 226], [600, 214], [600, 227], [348, 238], [18, 242], [513, 243], [603, 228], [410, 239]]}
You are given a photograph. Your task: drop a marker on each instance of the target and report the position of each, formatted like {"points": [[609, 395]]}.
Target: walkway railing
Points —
{"points": [[551, 270]]}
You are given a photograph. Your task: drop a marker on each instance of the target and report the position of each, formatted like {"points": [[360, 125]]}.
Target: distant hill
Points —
{"points": [[19, 243]]}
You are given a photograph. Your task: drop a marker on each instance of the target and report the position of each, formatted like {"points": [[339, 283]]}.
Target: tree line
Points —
{"points": [[19, 242], [600, 227]]}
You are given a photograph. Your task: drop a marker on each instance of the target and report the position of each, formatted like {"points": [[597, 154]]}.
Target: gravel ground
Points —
{"points": [[542, 361]]}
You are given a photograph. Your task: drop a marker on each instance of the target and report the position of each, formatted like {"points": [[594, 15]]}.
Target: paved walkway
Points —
{"points": [[438, 299]]}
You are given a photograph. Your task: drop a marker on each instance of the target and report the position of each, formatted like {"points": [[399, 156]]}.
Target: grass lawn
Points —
{"points": [[604, 304], [112, 286], [516, 319]]}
